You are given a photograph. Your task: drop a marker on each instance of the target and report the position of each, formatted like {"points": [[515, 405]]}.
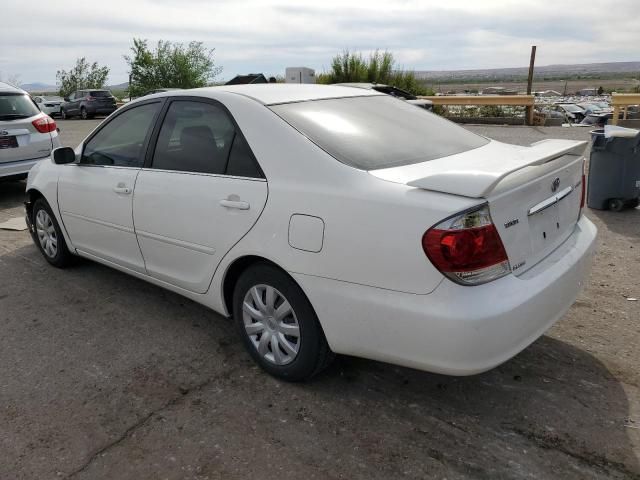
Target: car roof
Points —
{"points": [[5, 87], [271, 94]]}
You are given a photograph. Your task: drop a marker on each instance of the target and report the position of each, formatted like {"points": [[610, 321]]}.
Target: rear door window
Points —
{"points": [[375, 132], [200, 137]]}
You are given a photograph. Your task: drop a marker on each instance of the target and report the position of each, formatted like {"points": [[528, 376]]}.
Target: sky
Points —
{"points": [[39, 38]]}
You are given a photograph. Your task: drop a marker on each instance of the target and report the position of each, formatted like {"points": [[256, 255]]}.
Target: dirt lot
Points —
{"points": [[106, 377]]}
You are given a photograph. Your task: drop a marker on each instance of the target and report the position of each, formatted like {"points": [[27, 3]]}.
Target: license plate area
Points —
{"points": [[8, 142], [544, 227]]}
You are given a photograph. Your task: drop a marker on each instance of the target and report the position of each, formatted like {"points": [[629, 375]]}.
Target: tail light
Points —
{"points": [[44, 124], [467, 248]]}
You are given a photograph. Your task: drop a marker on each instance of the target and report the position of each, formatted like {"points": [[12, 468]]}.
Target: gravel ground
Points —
{"points": [[107, 377]]}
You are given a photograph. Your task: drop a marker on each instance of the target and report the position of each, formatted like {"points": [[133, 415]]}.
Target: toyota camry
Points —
{"points": [[327, 220]]}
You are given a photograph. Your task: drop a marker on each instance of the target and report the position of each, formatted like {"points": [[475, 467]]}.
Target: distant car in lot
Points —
{"points": [[595, 108], [393, 91], [327, 219], [49, 104], [27, 135], [88, 103], [572, 112]]}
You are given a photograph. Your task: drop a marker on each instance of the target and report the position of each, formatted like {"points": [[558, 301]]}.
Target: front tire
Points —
{"points": [[48, 235], [63, 114], [83, 114], [278, 325]]}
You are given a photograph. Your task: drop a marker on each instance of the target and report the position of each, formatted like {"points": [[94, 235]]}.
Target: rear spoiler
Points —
{"points": [[476, 173]]}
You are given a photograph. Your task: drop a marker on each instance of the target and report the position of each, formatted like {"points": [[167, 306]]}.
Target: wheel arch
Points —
{"points": [[237, 267], [31, 196]]}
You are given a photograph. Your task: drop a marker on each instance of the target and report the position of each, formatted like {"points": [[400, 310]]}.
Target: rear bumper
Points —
{"points": [[455, 330], [101, 110], [19, 167]]}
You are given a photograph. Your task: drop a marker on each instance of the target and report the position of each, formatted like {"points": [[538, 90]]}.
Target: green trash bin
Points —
{"points": [[614, 172]]}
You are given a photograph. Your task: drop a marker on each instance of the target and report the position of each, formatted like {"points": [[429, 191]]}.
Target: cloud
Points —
{"points": [[253, 35]]}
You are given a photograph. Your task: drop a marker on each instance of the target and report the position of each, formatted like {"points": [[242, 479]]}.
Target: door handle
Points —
{"points": [[122, 188], [240, 205]]}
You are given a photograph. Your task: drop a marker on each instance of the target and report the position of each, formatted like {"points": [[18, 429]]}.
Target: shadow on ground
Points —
{"points": [[12, 193], [111, 377]]}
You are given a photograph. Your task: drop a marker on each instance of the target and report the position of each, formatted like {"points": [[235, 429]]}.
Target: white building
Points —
{"points": [[300, 75]]}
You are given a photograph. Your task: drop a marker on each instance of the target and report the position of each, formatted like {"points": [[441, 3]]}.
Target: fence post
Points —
{"points": [[532, 61]]}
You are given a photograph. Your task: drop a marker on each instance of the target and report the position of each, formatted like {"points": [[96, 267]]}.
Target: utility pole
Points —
{"points": [[532, 62]]}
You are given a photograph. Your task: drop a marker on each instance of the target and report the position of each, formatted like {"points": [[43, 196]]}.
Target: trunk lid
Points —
{"points": [[533, 192]]}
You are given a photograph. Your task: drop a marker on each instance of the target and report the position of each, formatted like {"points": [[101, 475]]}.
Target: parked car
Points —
{"points": [[594, 108], [26, 134], [327, 220], [88, 103], [572, 112], [49, 104], [393, 91]]}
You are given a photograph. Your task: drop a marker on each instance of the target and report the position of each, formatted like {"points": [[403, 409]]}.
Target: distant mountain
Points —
{"points": [[587, 69], [38, 87], [120, 86]]}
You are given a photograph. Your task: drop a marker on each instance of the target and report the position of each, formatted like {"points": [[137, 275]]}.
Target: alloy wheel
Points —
{"points": [[271, 324], [46, 234]]}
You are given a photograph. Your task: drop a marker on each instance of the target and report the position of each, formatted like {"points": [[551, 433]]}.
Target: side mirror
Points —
{"points": [[64, 155], [66, 99]]}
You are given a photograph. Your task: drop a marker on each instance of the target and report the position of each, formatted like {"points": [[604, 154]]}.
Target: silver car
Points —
{"points": [[49, 104], [27, 135]]}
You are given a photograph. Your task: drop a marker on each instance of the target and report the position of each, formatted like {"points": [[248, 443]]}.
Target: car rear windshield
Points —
{"points": [[14, 106], [100, 93], [374, 132]]}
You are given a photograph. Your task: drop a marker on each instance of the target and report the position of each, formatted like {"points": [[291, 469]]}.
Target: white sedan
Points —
{"points": [[49, 104], [327, 220]]}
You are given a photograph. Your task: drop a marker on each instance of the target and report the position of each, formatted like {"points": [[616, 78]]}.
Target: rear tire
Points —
{"points": [[48, 235], [278, 325], [616, 204]]}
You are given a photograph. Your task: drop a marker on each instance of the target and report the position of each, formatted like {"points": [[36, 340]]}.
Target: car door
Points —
{"points": [[95, 194], [202, 193]]}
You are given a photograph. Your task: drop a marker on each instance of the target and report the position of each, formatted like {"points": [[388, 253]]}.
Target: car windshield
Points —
{"points": [[376, 132], [100, 93], [16, 106], [571, 108]]}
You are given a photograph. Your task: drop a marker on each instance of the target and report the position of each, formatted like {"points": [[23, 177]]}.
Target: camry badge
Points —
{"points": [[555, 184]]}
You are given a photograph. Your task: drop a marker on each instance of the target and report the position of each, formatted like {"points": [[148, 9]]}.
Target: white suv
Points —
{"points": [[26, 134]]}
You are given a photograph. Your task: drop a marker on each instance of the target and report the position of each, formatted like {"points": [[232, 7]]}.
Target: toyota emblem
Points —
{"points": [[555, 184], [3, 133]]}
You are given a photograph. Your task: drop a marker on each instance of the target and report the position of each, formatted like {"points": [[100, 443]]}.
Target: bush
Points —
{"points": [[380, 67]]}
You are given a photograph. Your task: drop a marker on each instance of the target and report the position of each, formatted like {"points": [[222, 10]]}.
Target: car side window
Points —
{"points": [[195, 137], [121, 141], [242, 163]]}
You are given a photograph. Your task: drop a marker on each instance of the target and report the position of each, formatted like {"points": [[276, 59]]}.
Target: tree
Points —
{"points": [[11, 79], [600, 90], [380, 67], [83, 75], [170, 65]]}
